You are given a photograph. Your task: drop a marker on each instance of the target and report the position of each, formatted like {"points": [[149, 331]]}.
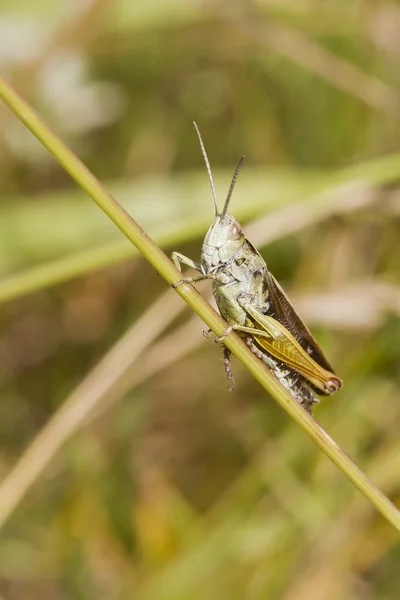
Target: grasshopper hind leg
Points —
{"points": [[288, 378]]}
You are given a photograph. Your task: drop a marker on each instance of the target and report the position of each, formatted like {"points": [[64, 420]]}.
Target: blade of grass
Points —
{"points": [[350, 190], [164, 266], [269, 228]]}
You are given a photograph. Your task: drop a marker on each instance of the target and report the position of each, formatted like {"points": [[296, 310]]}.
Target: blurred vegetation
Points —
{"points": [[180, 489]]}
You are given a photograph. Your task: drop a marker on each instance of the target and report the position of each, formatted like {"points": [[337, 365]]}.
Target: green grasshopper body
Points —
{"points": [[253, 303]]}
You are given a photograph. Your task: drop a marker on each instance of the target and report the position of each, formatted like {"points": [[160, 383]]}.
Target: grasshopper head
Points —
{"points": [[222, 241], [225, 236]]}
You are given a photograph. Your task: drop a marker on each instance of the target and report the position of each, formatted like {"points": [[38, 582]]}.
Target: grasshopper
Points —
{"points": [[253, 303]]}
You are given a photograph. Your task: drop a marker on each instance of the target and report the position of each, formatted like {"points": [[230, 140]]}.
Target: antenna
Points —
{"points": [[208, 167], [234, 178]]}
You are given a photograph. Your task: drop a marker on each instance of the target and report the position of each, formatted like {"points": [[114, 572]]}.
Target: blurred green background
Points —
{"points": [[149, 479]]}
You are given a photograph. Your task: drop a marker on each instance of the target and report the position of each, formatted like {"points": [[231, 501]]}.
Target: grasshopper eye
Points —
{"points": [[236, 231]]}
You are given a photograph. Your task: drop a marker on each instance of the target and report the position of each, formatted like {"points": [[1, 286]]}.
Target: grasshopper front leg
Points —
{"points": [[180, 259]]}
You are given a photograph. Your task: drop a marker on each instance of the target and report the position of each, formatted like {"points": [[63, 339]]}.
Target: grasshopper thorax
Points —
{"points": [[223, 240]]}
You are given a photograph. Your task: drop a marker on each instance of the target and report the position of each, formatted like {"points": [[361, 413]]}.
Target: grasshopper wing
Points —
{"points": [[282, 345], [285, 314]]}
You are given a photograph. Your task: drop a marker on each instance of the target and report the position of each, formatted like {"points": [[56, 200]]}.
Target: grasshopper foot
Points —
{"points": [[223, 336], [177, 284], [207, 332]]}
